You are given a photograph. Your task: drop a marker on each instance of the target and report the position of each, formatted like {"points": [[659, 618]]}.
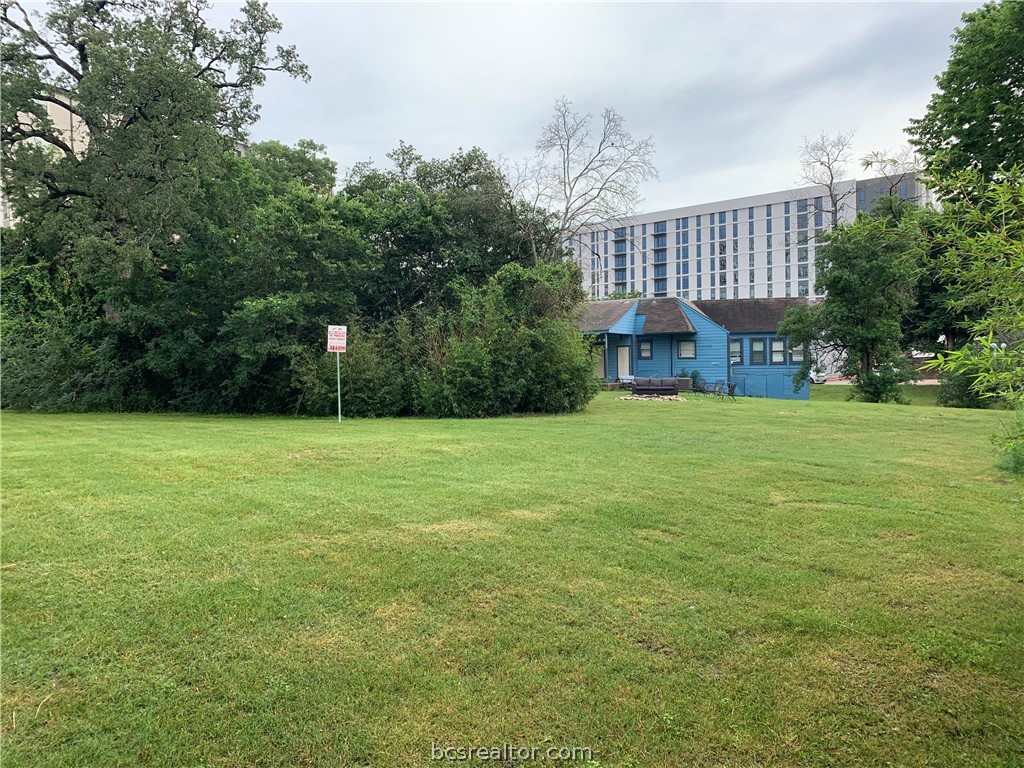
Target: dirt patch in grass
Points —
{"points": [[338, 642], [396, 616]]}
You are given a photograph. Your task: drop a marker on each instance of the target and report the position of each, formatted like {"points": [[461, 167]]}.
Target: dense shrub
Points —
{"points": [[956, 390], [881, 386]]}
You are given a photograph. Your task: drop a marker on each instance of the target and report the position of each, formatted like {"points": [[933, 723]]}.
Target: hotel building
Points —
{"points": [[761, 246]]}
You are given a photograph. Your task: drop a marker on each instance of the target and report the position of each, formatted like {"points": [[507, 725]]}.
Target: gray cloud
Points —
{"points": [[728, 90]]}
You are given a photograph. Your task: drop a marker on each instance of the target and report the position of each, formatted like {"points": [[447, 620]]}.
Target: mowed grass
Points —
{"points": [[695, 583], [915, 394]]}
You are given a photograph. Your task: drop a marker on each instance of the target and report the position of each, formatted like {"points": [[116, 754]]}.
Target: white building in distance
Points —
{"points": [[761, 246]]}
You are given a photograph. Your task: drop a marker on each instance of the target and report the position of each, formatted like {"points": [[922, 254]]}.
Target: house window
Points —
{"points": [[686, 350], [778, 351], [646, 351], [796, 354], [757, 347], [736, 352]]}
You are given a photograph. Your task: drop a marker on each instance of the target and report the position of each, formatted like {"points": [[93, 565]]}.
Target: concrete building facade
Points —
{"points": [[762, 246]]}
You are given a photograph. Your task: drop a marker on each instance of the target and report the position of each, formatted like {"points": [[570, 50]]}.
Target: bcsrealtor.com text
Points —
{"points": [[508, 752]]}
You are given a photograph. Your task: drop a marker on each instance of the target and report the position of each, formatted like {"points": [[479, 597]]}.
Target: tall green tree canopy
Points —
{"points": [[983, 260], [305, 163], [152, 267], [975, 122], [150, 86], [431, 223]]}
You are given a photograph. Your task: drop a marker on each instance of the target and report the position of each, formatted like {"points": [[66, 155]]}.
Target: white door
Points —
{"points": [[624, 361], [599, 369]]}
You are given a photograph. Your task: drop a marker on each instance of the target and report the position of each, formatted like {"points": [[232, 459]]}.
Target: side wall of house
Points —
{"points": [[767, 379]]}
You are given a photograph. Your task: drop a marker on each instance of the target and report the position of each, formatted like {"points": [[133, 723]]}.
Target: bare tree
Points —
{"points": [[824, 160], [583, 173], [895, 167]]}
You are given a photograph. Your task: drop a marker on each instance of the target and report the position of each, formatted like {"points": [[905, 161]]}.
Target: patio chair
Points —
{"points": [[729, 391], [700, 386], [719, 389]]}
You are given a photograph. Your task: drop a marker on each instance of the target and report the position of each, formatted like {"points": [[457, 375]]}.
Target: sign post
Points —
{"points": [[337, 340]]}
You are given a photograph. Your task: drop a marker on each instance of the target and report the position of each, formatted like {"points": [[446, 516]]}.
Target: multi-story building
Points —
{"points": [[761, 246]]}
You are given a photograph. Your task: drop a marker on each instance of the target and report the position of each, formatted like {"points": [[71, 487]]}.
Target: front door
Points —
{"points": [[624, 361]]}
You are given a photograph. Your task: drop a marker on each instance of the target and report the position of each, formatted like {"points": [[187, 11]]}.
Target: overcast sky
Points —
{"points": [[728, 90]]}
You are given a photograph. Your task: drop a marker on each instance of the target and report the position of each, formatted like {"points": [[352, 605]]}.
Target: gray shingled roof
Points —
{"points": [[748, 315], [601, 315], [664, 316]]}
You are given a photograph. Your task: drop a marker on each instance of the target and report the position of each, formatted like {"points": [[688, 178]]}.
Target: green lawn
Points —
{"points": [[917, 394], [705, 582]]}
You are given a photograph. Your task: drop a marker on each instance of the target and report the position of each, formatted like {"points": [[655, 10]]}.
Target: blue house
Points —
{"points": [[734, 340]]}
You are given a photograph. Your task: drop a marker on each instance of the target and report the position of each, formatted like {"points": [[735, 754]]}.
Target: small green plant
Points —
{"points": [[1011, 444]]}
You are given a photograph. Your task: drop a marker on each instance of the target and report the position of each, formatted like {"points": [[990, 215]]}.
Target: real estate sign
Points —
{"points": [[337, 338]]}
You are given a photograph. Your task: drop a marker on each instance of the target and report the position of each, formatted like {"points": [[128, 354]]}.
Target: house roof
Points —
{"points": [[600, 316], [748, 315], [664, 316]]}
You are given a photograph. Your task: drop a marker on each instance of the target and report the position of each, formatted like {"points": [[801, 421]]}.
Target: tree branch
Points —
{"points": [[30, 30]]}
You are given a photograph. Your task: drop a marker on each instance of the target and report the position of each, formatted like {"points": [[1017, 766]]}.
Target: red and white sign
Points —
{"points": [[337, 338]]}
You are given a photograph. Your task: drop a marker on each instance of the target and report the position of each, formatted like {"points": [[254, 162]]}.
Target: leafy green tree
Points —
{"points": [[280, 165], [153, 94], [115, 115], [432, 224], [975, 122], [984, 262], [868, 271]]}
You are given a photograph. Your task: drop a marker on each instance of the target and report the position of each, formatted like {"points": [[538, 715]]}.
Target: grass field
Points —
{"points": [[916, 394], [665, 583]]}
